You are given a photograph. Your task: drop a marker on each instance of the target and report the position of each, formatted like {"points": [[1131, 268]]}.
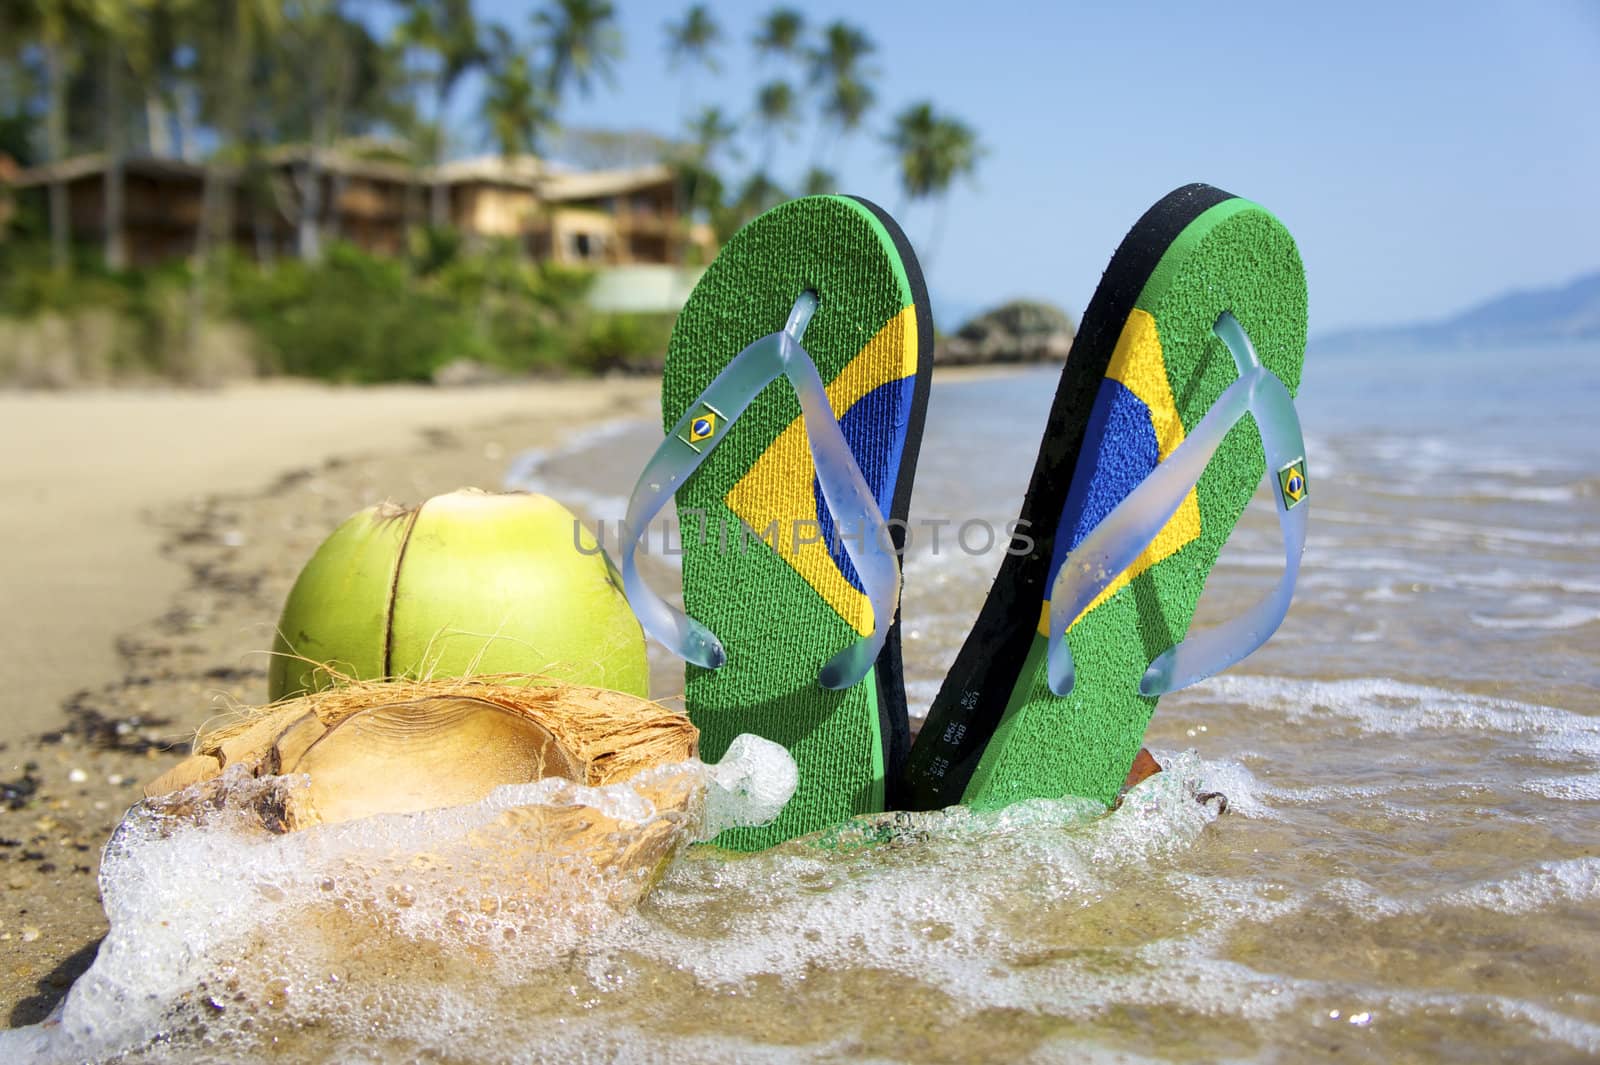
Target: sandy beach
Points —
{"points": [[148, 545]]}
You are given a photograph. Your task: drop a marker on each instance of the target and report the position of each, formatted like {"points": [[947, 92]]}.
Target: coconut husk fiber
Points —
{"points": [[362, 749], [396, 746]]}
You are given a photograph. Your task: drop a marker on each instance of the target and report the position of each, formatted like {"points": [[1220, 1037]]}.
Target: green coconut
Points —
{"points": [[467, 584]]}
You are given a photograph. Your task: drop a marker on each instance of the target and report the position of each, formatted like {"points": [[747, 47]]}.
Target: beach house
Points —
{"points": [[291, 198]]}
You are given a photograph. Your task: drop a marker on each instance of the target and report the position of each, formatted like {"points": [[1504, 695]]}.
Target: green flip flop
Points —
{"points": [[792, 498], [1174, 401]]}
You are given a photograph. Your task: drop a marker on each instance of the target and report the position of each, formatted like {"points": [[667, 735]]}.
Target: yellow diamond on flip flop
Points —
{"points": [[1292, 483]]}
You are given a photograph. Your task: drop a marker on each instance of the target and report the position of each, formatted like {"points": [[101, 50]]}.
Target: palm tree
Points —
{"points": [[838, 57], [448, 30], [710, 132], [836, 66], [517, 112], [516, 109], [54, 22], [226, 41], [847, 104], [699, 187], [582, 41], [690, 44], [118, 30], [780, 33], [323, 75], [156, 69], [933, 150], [141, 43], [777, 112]]}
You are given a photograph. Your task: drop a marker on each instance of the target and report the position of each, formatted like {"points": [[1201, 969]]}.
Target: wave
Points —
{"points": [[1567, 617]]}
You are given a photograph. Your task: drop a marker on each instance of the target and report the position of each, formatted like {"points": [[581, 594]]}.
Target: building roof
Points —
{"points": [[594, 184], [526, 172], [523, 171], [82, 166], [341, 161]]}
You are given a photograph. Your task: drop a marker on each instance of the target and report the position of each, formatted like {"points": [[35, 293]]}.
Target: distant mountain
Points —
{"points": [[1537, 316]]}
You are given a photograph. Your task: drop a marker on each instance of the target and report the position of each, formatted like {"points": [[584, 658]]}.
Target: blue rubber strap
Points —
{"points": [[1128, 530], [857, 520]]}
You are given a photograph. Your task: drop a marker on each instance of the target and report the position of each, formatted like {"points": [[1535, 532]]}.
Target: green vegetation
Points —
{"points": [[225, 84], [348, 316]]}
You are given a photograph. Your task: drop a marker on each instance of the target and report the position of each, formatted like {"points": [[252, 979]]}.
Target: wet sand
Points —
{"points": [[149, 540]]}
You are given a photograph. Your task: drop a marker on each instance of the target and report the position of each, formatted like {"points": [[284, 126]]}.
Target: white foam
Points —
{"points": [[1569, 882], [879, 891], [1501, 536], [822, 903], [1552, 493], [1382, 707], [1566, 617], [206, 909], [1570, 789], [750, 786], [1503, 579], [1245, 792], [1541, 886]]}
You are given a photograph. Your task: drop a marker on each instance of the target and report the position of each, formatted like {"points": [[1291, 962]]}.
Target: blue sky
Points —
{"points": [[1425, 155]]}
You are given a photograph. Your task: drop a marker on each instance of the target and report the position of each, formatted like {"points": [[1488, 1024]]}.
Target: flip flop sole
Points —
{"points": [[1143, 371], [764, 568]]}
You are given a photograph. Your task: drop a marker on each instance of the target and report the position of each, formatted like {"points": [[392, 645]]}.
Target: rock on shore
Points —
{"points": [[1019, 331]]}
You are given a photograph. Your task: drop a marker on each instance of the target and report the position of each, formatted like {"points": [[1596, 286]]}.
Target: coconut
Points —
{"points": [[372, 747], [467, 583], [361, 749]]}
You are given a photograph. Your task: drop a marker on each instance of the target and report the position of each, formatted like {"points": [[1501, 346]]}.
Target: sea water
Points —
{"points": [[1408, 868]]}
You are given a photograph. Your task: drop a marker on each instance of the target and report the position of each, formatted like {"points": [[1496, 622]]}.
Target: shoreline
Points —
{"points": [[147, 582]]}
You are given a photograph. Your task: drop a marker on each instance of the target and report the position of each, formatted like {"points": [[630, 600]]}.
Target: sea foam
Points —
{"points": [[217, 926]]}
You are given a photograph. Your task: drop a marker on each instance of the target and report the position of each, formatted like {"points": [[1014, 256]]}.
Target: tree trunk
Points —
{"points": [[157, 125], [215, 217], [183, 125], [308, 179], [116, 251], [413, 208], [56, 138], [334, 229], [261, 224], [941, 214], [439, 208], [324, 134], [439, 204]]}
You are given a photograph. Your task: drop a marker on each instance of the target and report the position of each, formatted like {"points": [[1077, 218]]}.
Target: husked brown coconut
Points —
{"points": [[567, 853], [401, 746]]}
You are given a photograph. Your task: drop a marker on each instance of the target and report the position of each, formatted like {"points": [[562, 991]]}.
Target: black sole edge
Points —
{"points": [[973, 697], [894, 721]]}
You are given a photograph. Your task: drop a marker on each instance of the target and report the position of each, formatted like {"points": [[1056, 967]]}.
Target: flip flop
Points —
{"points": [[1147, 462], [792, 498]]}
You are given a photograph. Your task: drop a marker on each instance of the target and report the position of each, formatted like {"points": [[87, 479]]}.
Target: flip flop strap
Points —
{"points": [[1133, 524], [844, 490]]}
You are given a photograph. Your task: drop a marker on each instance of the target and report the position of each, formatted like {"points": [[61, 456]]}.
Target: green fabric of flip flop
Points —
{"points": [[1145, 368], [763, 567]]}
